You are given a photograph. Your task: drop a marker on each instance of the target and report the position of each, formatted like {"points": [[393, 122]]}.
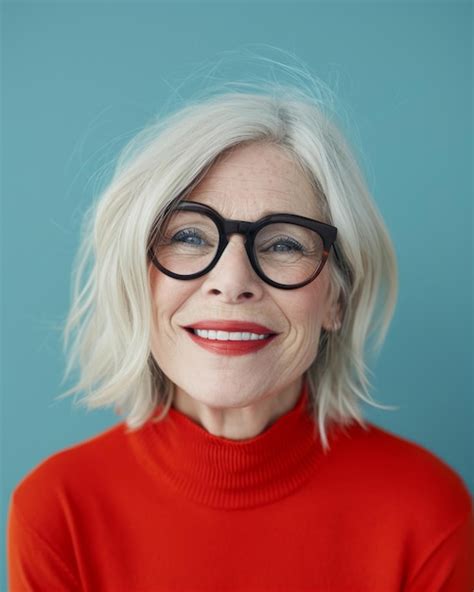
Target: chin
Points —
{"points": [[214, 394]]}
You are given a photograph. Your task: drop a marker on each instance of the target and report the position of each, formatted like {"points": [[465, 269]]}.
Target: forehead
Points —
{"points": [[255, 180]]}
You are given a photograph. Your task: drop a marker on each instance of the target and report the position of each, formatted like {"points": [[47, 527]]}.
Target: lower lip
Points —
{"points": [[231, 348]]}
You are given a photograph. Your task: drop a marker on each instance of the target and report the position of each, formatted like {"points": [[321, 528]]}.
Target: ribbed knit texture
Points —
{"points": [[172, 507], [231, 474]]}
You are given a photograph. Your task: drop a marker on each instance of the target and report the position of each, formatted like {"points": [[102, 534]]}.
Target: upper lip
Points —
{"points": [[236, 326]]}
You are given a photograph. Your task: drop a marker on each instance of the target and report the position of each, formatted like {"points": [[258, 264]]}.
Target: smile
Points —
{"points": [[229, 336], [229, 343]]}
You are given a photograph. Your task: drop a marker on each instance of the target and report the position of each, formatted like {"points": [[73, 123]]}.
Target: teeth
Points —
{"points": [[228, 336]]}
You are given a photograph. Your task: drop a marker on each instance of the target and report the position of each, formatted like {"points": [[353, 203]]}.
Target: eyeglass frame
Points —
{"points": [[249, 230]]}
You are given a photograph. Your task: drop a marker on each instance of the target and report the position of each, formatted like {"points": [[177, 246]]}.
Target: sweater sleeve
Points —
{"points": [[448, 565], [33, 563]]}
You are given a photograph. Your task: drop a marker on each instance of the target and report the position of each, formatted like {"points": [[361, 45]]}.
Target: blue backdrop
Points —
{"points": [[79, 79]]}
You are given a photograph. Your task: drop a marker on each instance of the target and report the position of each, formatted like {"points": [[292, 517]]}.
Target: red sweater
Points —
{"points": [[172, 507]]}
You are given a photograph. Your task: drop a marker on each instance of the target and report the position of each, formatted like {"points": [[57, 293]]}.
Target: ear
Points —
{"points": [[332, 325], [332, 320]]}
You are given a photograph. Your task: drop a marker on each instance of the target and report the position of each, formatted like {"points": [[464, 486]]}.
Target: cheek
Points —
{"points": [[167, 295], [308, 306], [304, 328], [306, 310]]}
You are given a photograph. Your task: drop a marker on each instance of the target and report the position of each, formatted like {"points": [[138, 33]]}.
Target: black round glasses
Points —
{"points": [[286, 251]]}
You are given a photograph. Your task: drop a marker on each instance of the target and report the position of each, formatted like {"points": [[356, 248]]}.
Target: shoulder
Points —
{"points": [[416, 484], [426, 506], [64, 475]]}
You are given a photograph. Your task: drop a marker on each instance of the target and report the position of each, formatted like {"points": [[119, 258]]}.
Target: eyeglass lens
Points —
{"points": [[286, 253]]}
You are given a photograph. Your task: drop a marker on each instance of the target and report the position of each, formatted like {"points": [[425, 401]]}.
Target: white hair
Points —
{"points": [[111, 309]]}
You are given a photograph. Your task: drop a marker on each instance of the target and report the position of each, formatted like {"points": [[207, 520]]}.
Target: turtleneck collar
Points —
{"points": [[232, 474]]}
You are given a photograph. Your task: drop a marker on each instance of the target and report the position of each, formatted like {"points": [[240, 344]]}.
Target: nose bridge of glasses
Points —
{"points": [[239, 227], [236, 226]]}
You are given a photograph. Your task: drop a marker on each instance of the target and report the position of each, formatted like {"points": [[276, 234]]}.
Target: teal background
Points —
{"points": [[79, 79]]}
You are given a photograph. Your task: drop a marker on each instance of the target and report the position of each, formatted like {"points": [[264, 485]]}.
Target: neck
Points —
{"points": [[240, 420], [224, 473]]}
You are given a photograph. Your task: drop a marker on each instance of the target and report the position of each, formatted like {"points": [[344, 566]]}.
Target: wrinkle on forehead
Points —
{"points": [[287, 170], [250, 179], [227, 186], [242, 177], [230, 193]]}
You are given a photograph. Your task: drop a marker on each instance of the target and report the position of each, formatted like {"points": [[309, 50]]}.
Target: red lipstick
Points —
{"points": [[231, 347], [242, 326]]}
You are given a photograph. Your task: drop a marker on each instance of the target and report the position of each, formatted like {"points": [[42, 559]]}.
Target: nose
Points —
{"points": [[233, 279]]}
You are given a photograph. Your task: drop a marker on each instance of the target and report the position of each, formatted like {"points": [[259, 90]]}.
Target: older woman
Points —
{"points": [[238, 263]]}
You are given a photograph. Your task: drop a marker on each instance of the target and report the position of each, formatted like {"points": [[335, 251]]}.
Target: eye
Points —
{"points": [[286, 244], [189, 236]]}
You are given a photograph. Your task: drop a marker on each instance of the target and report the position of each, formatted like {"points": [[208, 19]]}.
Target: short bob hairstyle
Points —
{"points": [[111, 308]]}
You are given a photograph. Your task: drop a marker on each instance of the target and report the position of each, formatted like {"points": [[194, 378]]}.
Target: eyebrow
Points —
{"points": [[262, 214], [270, 212]]}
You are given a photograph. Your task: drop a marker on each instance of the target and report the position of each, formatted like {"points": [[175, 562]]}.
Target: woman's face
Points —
{"points": [[250, 182]]}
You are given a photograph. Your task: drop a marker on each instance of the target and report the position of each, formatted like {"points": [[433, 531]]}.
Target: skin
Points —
{"points": [[238, 397]]}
